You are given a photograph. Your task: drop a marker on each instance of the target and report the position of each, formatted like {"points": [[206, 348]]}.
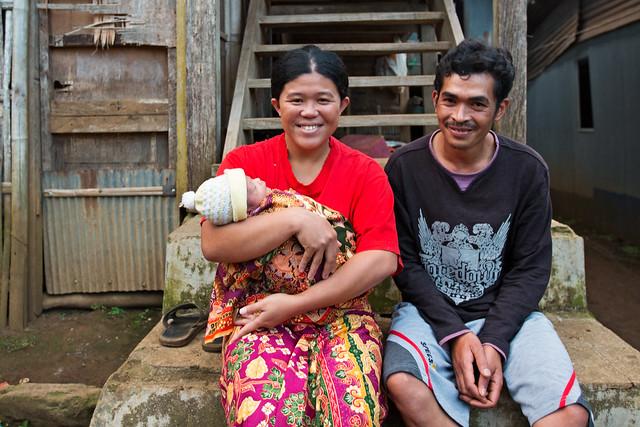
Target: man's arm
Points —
{"points": [[529, 268]]}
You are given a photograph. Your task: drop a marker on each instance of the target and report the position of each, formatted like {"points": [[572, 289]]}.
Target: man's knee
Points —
{"points": [[404, 387], [572, 415]]}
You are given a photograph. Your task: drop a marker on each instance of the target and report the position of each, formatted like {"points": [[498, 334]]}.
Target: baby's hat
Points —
{"points": [[221, 199]]}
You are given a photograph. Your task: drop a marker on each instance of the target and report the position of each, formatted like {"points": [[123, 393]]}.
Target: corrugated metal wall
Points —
{"points": [[107, 243], [594, 172]]}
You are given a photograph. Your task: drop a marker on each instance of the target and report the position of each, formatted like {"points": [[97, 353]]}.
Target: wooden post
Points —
{"points": [[182, 155], [510, 32], [18, 273], [36, 253], [6, 171], [203, 87]]}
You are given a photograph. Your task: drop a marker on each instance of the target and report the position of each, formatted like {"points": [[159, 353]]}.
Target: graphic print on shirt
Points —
{"points": [[461, 264]]}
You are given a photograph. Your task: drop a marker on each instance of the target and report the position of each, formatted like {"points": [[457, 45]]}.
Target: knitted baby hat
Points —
{"points": [[221, 199]]}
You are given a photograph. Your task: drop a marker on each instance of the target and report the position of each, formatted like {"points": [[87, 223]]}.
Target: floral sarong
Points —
{"points": [[306, 375], [319, 368]]}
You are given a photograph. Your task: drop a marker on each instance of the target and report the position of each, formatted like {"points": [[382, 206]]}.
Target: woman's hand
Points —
{"points": [[320, 241], [271, 311]]}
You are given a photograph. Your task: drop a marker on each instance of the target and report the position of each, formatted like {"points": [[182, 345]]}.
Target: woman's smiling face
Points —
{"points": [[309, 108]]}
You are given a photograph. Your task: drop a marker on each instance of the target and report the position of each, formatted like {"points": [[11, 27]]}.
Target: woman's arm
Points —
{"points": [[362, 272], [254, 237]]}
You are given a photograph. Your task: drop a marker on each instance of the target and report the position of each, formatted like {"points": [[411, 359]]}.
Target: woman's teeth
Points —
{"points": [[309, 128]]}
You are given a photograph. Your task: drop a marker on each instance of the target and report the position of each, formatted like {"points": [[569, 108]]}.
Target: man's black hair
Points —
{"points": [[306, 60], [475, 57]]}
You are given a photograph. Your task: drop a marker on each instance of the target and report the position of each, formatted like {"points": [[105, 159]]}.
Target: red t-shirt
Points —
{"points": [[350, 182]]}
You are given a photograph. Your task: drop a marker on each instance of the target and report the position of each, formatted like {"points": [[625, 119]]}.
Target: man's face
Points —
{"points": [[466, 109]]}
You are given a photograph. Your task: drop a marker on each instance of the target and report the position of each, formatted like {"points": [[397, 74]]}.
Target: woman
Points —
{"points": [[277, 371]]}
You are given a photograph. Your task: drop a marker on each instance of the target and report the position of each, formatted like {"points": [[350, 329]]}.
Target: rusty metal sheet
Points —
{"points": [[106, 244]]}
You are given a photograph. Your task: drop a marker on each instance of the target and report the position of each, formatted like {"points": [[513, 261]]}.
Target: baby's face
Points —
{"points": [[256, 191]]}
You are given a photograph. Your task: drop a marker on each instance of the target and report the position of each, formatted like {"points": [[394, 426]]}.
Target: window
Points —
{"points": [[584, 88]]}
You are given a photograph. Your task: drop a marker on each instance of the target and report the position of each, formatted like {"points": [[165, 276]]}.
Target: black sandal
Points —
{"points": [[181, 324]]}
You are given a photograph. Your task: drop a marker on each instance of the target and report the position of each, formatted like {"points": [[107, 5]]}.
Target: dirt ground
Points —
{"points": [[86, 346], [73, 346]]}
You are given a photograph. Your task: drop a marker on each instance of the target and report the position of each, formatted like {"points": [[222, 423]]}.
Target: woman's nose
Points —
{"points": [[309, 109]]}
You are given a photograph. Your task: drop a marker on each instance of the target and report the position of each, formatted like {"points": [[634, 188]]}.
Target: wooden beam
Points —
{"points": [[374, 120], [510, 32], [19, 275], [370, 81], [112, 107], [5, 188], [109, 124], [97, 9], [382, 19], [361, 48], [106, 192], [36, 237], [450, 29], [182, 153], [246, 69], [203, 88], [5, 259]]}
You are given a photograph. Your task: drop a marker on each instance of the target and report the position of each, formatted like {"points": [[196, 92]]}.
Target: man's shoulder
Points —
{"points": [[521, 153]]}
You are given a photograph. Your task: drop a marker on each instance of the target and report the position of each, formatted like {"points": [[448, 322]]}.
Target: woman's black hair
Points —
{"points": [[306, 60], [475, 57]]}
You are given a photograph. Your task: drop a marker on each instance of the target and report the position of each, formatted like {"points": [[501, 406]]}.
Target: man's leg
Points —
{"points": [[415, 402], [570, 416], [418, 374], [540, 376]]}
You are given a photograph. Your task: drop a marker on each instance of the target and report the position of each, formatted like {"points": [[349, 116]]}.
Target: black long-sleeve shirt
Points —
{"points": [[480, 253]]}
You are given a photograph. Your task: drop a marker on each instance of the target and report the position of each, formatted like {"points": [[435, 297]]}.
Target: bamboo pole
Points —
{"points": [[1, 146], [182, 155], [6, 149], [18, 272]]}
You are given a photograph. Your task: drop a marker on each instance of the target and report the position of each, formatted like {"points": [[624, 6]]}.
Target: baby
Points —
{"points": [[233, 196]]}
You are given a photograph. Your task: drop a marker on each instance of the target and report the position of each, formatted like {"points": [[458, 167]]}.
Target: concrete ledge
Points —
{"points": [[48, 404], [159, 386], [188, 276]]}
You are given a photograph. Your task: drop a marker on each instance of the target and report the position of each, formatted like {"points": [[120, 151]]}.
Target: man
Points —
{"points": [[473, 216]]}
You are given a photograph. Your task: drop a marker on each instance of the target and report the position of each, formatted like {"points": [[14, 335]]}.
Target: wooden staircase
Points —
{"points": [[360, 32]]}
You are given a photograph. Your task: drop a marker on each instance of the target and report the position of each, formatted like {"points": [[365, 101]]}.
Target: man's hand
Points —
{"points": [[320, 241], [465, 351], [271, 311], [493, 385]]}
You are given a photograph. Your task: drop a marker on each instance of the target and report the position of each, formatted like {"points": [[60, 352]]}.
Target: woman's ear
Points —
{"points": [[276, 105], [344, 103]]}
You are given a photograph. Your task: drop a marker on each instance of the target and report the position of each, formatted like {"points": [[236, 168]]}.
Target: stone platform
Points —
{"points": [[159, 386]]}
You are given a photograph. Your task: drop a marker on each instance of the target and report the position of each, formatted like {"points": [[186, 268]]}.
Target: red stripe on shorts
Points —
{"points": [[567, 389], [415, 346]]}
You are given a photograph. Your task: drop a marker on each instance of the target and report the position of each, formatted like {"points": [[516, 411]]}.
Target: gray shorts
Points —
{"points": [[538, 373]]}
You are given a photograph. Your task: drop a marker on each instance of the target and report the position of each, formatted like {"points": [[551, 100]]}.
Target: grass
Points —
{"points": [[631, 250], [13, 344]]}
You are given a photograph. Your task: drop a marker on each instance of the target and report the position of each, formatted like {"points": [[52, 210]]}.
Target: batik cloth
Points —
{"points": [[319, 368], [238, 284], [306, 375]]}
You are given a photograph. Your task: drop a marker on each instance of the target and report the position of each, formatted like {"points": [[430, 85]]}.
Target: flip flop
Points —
{"points": [[181, 324], [214, 346]]}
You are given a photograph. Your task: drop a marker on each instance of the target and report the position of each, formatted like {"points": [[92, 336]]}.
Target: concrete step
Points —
{"points": [[188, 276], [160, 386]]}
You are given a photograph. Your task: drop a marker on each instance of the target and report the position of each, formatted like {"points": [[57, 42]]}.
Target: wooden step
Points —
{"points": [[381, 19], [365, 81], [373, 120], [359, 48]]}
